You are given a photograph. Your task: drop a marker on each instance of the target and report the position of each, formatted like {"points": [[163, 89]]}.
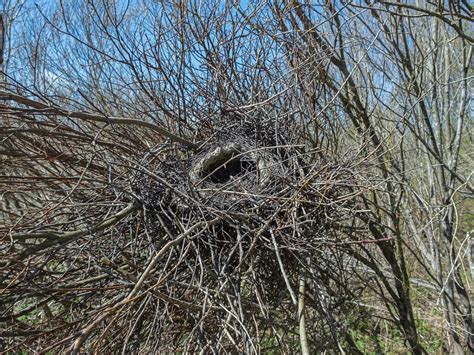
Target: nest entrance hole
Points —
{"points": [[228, 165]]}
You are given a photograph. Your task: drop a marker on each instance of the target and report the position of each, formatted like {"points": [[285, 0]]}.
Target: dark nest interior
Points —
{"points": [[228, 164], [167, 250]]}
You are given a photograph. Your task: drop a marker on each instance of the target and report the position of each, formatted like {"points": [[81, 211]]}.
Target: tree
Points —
{"points": [[181, 176]]}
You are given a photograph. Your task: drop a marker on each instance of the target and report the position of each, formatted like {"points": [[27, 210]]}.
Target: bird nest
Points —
{"points": [[269, 215]]}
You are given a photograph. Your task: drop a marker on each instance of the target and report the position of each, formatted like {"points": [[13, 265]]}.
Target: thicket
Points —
{"points": [[255, 176]]}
